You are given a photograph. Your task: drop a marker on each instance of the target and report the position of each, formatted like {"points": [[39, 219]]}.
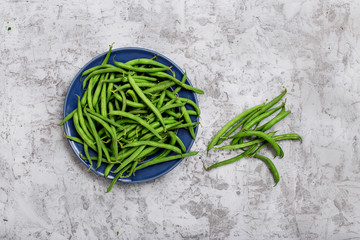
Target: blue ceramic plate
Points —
{"points": [[124, 55]]}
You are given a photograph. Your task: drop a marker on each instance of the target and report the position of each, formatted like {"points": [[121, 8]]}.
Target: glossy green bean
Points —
{"points": [[86, 150], [93, 99], [132, 94], [68, 117], [188, 120], [246, 144], [138, 69], [178, 89], [79, 130], [160, 87], [164, 159], [154, 144], [231, 160], [273, 121], [167, 76], [106, 59], [178, 140], [97, 139], [101, 71], [262, 135], [271, 166], [145, 61], [82, 121], [103, 100], [146, 100], [75, 139]]}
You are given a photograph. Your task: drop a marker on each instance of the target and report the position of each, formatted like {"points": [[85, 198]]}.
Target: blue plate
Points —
{"points": [[124, 55]]}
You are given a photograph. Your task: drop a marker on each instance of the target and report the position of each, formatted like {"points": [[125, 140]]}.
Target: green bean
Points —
{"points": [[247, 144], [183, 80], [161, 100], [167, 76], [149, 150], [68, 117], [103, 100], [86, 150], [137, 69], [186, 100], [94, 99], [160, 87], [229, 124], [107, 55], [124, 100], [174, 114], [151, 79], [165, 159], [171, 106], [188, 120], [131, 158], [145, 61], [271, 166], [132, 95], [288, 136], [110, 87], [178, 140], [90, 70], [146, 100], [262, 135], [79, 130], [82, 121], [231, 160], [84, 98], [114, 143], [132, 169], [138, 111], [75, 139], [108, 169], [191, 112], [273, 121], [137, 119], [116, 178], [117, 105], [107, 70], [166, 151], [114, 80], [89, 94], [154, 144], [97, 139]]}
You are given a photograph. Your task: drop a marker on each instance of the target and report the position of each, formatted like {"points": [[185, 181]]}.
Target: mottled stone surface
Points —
{"points": [[240, 53]]}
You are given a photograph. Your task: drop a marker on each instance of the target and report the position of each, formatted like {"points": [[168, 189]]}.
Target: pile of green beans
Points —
{"points": [[250, 137], [129, 112]]}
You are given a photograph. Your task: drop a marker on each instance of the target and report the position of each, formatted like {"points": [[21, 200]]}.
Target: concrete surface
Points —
{"points": [[240, 53]]}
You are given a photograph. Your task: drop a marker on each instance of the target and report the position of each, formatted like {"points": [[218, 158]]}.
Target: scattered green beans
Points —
{"points": [[249, 135]]}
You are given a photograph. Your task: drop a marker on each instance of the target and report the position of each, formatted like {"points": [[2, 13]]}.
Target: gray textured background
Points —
{"points": [[240, 53]]}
